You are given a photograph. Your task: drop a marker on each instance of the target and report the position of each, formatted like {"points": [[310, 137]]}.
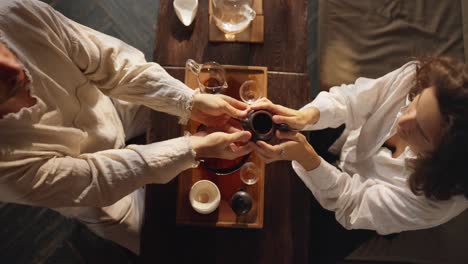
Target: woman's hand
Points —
{"points": [[222, 145], [215, 110], [294, 118], [294, 147]]}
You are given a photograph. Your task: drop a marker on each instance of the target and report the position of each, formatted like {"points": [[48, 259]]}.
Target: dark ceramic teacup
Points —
{"points": [[260, 124]]}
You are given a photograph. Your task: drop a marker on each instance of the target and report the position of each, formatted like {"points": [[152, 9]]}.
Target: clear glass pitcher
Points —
{"points": [[211, 76], [232, 16]]}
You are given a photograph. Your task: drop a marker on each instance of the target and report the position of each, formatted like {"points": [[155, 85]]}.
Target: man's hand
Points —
{"points": [[222, 145], [216, 110]]}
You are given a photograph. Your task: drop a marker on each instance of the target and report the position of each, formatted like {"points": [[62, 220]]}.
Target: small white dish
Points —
{"points": [[186, 10], [204, 196]]}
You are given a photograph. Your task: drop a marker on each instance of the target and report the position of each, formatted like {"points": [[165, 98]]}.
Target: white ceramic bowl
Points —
{"points": [[204, 196]]}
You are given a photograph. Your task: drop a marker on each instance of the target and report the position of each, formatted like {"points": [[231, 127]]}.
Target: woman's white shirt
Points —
{"points": [[369, 190]]}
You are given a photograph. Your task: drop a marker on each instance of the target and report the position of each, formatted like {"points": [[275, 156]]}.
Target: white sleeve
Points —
{"points": [[119, 70], [93, 179], [353, 104], [48, 173], [361, 203]]}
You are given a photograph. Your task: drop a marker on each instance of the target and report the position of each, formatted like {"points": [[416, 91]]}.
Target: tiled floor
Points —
{"points": [[38, 235]]}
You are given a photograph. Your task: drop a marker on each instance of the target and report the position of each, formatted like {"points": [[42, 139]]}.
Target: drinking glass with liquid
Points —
{"points": [[249, 173], [250, 92], [232, 16], [211, 76]]}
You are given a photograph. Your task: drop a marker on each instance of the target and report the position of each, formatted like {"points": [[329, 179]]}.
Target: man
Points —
{"points": [[69, 99]]}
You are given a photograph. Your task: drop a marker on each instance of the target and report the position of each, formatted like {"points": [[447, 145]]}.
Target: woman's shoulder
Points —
{"points": [[409, 67]]}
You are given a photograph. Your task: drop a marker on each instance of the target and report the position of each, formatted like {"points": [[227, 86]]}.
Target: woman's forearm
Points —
{"points": [[310, 160]]}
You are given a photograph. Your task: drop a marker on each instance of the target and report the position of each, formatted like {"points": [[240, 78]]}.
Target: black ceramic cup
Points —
{"points": [[260, 124]]}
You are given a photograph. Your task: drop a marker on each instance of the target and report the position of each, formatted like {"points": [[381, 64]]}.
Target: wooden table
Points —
{"points": [[285, 235]]}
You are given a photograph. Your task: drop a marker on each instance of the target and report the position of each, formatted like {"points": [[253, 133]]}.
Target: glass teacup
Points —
{"points": [[250, 92], [249, 173], [211, 76], [232, 16]]}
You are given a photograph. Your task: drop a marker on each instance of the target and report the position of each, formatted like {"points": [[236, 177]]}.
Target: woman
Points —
{"points": [[401, 166]]}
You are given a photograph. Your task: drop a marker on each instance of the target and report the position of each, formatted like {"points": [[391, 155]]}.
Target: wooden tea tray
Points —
{"points": [[253, 33], [224, 216]]}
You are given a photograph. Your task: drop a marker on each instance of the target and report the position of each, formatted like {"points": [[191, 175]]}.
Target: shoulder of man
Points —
{"points": [[12, 9], [17, 5], [18, 15]]}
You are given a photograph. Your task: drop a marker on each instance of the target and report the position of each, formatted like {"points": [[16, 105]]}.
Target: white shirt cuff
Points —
{"points": [[325, 106], [166, 159], [186, 107], [323, 177]]}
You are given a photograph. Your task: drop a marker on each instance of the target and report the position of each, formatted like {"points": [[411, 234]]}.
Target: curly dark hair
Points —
{"points": [[444, 172]]}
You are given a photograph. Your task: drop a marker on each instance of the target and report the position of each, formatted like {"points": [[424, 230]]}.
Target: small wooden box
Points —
{"points": [[224, 216], [253, 33]]}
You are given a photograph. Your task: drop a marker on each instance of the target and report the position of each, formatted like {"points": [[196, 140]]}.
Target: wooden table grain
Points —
{"points": [[285, 235]]}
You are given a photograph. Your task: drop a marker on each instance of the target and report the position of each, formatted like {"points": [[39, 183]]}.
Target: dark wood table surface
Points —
{"points": [[285, 235]]}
